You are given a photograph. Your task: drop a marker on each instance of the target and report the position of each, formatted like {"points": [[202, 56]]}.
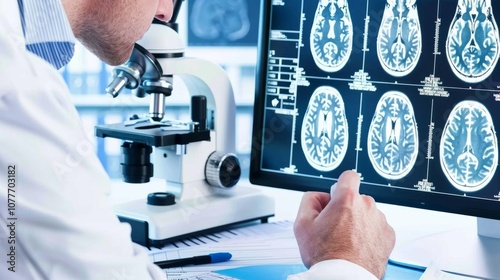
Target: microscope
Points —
{"points": [[195, 158]]}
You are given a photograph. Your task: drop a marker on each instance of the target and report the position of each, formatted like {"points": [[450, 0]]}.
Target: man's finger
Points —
{"points": [[332, 189], [347, 180], [312, 204]]}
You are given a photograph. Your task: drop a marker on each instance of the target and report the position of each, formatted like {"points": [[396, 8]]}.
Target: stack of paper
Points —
{"points": [[260, 244]]}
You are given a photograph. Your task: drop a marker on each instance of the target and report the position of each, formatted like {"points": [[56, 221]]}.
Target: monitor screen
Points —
{"points": [[405, 92]]}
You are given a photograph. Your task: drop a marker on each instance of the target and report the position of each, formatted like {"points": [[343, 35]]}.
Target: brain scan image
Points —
{"points": [[472, 45], [393, 136], [399, 41], [324, 134], [469, 147], [219, 19], [331, 35]]}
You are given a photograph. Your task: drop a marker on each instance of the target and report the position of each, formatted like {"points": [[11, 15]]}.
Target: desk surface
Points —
{"points": [[409, 223]]}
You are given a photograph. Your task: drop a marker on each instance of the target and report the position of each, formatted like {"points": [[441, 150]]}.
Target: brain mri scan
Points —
{"points": [[473, 41], [469, 147], [393, 136], [220, 19], [324, 134], [331, 35], [399, 41]]}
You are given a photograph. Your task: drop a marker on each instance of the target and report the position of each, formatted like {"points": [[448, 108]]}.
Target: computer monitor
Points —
{"points": [[405, 92]]}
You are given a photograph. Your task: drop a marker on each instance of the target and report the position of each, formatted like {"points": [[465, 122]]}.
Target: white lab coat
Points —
{"points": [[64, 227]]}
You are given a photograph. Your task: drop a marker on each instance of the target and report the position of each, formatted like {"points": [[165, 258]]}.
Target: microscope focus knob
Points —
{"points": [[222, 170]]}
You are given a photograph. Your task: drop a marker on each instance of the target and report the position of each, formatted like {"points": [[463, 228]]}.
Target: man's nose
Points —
{"points": [[164, 11]]}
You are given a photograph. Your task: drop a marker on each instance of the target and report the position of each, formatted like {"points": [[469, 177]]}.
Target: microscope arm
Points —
{"points": [[206, 78]]}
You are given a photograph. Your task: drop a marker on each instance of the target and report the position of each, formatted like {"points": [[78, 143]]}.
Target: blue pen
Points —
{"points": [[210, 258]]}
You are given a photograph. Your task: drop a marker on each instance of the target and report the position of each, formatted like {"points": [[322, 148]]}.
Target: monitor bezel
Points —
{"points": [[396, 196]]}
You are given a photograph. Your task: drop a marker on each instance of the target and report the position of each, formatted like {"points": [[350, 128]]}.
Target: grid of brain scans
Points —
{"points": [[405, 92]]}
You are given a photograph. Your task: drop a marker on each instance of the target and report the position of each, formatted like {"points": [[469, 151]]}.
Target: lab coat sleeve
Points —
{"points": [[64, 228], [334, 269]]}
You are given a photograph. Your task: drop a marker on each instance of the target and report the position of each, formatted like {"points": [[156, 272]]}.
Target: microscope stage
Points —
{"points": [[153, 134]]}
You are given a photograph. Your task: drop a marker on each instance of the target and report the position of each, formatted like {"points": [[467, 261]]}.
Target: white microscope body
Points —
{"points": [[205, 198]]}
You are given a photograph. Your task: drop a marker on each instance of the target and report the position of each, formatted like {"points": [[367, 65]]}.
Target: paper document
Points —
{"points": [[270, 243], [211, 276], [433, 272], [261, 230]]}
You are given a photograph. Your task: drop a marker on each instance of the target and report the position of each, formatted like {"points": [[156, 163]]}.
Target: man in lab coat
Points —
{"points": [[55, 221]]}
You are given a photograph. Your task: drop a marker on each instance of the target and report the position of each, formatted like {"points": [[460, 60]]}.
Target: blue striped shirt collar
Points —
{"points": [[47, 31]]}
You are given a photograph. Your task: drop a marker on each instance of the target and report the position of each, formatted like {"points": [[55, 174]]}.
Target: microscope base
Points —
{"points": [[155, 226]]}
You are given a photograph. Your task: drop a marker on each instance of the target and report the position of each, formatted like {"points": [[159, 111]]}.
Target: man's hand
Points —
{"points": [[345, 225]]}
